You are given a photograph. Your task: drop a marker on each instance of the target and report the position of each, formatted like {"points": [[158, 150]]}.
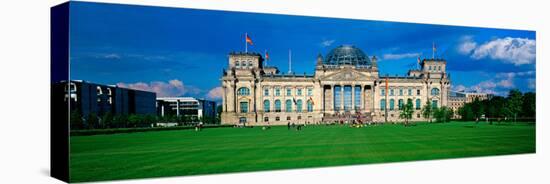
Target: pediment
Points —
{"points": [[346, 75]]}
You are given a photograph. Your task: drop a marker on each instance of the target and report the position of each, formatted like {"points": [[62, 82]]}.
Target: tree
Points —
{"points": [[92, 120], [107, 120], [76, 120], [528, 108], [407, 111], [443, 114], [427, 111], [466, 112], [514, 103]]}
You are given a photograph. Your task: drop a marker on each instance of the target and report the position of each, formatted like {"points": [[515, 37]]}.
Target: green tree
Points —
{"points": [[443, 114], [466, 113], [92, 121], [529, 105], [427, 111], [107, 120], [76, 120], [514, 104], [407, 111]]}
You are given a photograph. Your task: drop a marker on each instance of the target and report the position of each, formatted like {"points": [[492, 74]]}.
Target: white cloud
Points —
{"points": [[327, 43], [467, 45], [215, 93], [111, 56], [517, 51], [399, 56], [163, 89]]}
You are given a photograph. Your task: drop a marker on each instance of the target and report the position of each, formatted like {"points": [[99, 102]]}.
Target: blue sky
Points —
{"points": [[181, 52]]}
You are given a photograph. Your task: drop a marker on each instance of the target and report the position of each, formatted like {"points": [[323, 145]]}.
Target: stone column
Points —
{"points": [[363, 97], [332, 97]]}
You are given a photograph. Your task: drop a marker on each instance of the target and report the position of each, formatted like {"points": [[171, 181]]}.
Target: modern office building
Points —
{"points": [[86, 97], [346, 86], [189, 106]]}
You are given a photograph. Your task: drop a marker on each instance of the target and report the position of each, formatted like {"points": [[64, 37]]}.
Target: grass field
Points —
{"points": [[220, 150]]}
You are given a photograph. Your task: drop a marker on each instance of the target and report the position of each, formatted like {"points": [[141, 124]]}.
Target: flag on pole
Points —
{"points": [[294, 99], [418, 61], [266, 55], [249, 40], [434, 49], [386, 86], [312, 102]]}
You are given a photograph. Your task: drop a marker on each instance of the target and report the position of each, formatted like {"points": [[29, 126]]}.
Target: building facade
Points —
{"points": [[457, 99], [189, 106], [86, 98], [346, 87]]}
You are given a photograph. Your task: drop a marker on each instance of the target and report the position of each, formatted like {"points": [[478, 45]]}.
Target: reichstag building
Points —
{"points": [[346, 87]]}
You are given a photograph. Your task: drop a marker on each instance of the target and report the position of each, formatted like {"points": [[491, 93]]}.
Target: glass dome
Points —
{"points": [[347, 55]]}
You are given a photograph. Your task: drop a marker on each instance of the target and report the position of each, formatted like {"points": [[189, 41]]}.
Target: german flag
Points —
{"points": [[249, 40]]}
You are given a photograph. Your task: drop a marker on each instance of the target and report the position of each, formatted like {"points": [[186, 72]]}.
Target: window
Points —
{"points": [[400, 104], [299, 117], [309, 106], [288, 106], [266, 119], [277, 105], [243, 91], [288, 118], [383, 92], [250, 63], [288, 92], [383, 104], [392, 103], [409, 92], [435, 91], [439, 68], [309, 91], [418, 104], [357, 99], [430, 68], [347, 98], [266, 92], [266, 105], [434, 104], [244, 107], [237, 64], [418, 92], [299, 92], [299, 106], [391, 92], [242, 120], [337, 97], [277, 91], [417, 115], [400, 92], [277, 118]]}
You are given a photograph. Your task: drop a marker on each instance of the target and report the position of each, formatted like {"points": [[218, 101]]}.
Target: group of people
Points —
{"points": [[292, 125]]}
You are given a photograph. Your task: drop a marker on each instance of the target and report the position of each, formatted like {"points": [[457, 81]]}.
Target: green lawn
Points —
{"points": [[220, 150]]}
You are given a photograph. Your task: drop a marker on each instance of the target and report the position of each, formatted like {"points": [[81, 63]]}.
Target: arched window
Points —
{"points": [[244, 107], [392, 103], [309, 106], [435, 91], [288, 106], [383, 104], [243, 91], [400, 104], [299, 106], [237, 64], [277, 105], [266, 106]]}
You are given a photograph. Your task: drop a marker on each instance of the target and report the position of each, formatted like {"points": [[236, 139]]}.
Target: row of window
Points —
{"points": [[278, 106], [243, 64], [400, 104], [435, 68], [401, 92], [299, 92], [244, 91]]}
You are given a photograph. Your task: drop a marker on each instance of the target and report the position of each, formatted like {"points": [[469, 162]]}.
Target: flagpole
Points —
{"points": [[265, 54], [433, 50], [289, 61], [245, 44]]}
